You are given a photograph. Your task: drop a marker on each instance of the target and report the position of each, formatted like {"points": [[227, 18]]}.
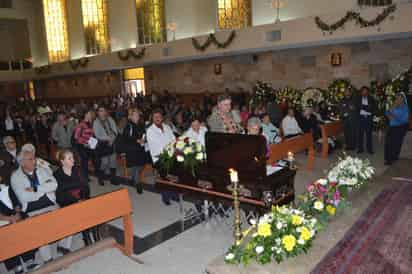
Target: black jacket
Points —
{"points": [[8, 164], [348, 109], [67, 184], [371, 107], [135, 153], [4, 210]]}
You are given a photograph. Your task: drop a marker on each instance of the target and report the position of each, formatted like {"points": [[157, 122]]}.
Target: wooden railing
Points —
{"points": [[47, 228], [333, 129], [295, 145]]}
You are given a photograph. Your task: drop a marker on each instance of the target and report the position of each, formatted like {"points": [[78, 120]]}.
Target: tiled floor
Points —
{"points": [[164, 248]]}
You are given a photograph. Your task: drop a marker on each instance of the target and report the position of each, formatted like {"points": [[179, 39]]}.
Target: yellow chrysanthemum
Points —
{"points": [[289, 242], [331, 210], [296, 220], [264, 230], [305, 233]]}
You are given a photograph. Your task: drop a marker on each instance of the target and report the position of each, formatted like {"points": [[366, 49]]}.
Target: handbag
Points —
{"points": [[103, 149]]}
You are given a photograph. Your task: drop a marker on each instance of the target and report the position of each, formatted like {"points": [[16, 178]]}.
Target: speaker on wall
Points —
{"points": [[273, 36]]}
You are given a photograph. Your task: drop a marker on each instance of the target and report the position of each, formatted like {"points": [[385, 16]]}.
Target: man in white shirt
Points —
{"points": [[159, 135], [196, 131], [290, 126]]}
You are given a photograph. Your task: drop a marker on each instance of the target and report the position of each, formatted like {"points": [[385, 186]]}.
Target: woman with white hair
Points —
{"points": [[398, 117]]}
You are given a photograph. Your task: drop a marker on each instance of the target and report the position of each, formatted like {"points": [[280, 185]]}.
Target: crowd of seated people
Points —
{"points": [[29, 187], [137, 128]]}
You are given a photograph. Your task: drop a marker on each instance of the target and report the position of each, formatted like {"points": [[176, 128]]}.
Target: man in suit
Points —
{"points": [[365, 108], [348, 112]]}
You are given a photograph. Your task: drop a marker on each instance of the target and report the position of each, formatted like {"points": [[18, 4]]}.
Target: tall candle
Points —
{"points": [[290, 157], [233, 176]]}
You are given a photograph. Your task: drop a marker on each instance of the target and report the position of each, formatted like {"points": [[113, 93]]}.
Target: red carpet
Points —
{"points": [[380, 241]]}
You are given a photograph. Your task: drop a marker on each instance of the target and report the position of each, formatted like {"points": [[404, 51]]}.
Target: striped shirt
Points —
{"points": [[83, 132]]}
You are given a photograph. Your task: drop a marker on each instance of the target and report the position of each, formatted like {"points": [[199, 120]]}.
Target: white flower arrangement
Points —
{"points": [[185, 151], [351, 172], [311, 96]]}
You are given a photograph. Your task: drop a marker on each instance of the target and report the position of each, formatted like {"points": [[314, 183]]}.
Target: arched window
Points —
{"points": [[95, 24], [151, 21], [55, 20], [234, 14]]}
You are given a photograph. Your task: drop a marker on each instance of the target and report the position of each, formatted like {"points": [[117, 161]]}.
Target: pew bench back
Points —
{"points": [[294, 145], [47, 228]]}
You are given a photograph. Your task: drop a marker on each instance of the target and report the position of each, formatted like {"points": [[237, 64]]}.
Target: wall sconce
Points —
{"points": [[218, 69], [336, 59]]}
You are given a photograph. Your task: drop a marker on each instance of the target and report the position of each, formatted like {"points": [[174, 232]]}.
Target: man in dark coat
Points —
{"points": [[8, 158], [365, 109], [275, 114], [348, 111]]}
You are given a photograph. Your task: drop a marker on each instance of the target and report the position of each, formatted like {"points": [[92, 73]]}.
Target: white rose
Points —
{"points": [[318, 205], [180, 158], [230, 256], [252, 221], [301, 241], [199, 156], [279, 225], [323, 182], [198, 147], [188, 150], [259, 249], [180, 145]]}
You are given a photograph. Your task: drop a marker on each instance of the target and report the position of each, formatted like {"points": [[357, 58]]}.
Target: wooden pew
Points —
{"points": [[333, 129], [121, 161], [295, 144], [50, 227]]}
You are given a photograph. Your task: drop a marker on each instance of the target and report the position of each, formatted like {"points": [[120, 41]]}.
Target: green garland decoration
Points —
{"points": [[212, 39], [82, 62], [125, 55], [374, 3], [355, 16], [43, 69]]}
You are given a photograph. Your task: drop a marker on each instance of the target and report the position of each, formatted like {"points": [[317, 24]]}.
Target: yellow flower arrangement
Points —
{"points": [[264, 230], [289, 242]]}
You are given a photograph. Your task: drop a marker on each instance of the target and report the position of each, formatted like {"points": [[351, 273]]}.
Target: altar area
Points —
{"points": [[164, 248]]}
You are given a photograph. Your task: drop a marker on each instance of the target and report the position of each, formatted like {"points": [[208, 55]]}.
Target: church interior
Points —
{"points": [[205, 136]]}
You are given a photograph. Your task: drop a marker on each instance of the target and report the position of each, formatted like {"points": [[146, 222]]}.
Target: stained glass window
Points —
{"points": [[151, 21], [95, 24], [234, 14], [55, 19]]}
